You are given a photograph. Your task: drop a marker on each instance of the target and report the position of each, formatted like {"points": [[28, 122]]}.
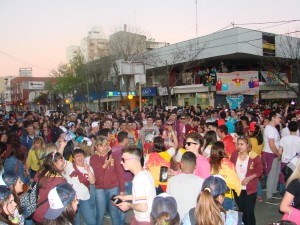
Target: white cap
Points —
{"points": [[95, 124]]}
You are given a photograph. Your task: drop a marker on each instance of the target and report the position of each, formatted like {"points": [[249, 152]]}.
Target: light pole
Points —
{"points": [[87, 89]]}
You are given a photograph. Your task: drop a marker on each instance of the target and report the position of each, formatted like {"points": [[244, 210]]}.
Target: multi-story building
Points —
{"points": [[94, 45], [24, 91], [72, 51]]}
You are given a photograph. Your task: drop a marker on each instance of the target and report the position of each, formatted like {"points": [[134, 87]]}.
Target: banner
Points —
{"points": [[273, 77], [239, 82], [234, 101]]}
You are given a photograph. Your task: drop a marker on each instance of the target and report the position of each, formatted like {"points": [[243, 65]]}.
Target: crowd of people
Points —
{"points": [[188, 166]]}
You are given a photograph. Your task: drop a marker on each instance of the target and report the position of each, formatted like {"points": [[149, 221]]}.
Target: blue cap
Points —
{"points": [[4, 192], [9, 178], [59, 198], [216, 185]]}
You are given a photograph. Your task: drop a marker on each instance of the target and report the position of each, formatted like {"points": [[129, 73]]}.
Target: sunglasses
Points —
{"points": [[189, 143], [169, 124], [123, 160], [238, 114], [182, 118]]}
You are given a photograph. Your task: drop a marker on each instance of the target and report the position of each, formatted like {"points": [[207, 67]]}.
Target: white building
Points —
{"points": [[94, 45], [72, 51]]}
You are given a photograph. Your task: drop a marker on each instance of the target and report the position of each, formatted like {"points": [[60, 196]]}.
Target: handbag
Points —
{"points": [[293, 216], [289, 168], [29, 199]]}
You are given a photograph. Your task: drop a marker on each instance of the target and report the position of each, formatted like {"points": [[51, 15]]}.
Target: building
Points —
{"points": [[94, 45], [183, 68], [24, 91], [72, 51]]}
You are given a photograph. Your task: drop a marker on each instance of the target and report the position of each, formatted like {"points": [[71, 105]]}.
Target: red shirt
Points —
{"points": [[110, 177]]}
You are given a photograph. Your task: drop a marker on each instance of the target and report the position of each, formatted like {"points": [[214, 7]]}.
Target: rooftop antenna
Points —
{"points": [[196, 18]]}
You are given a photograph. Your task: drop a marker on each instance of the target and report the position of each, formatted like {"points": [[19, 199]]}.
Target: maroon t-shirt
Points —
{"points": [[47, 184]]}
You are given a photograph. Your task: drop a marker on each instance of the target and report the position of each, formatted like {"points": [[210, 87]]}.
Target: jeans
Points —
{"points": [[228, 203], [128, 188], [93, 195], [259, 192], [103, 197], [85, 209]]}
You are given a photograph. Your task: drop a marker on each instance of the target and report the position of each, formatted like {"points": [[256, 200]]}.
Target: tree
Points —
{"points": [[287, 57], [42, 99], [170, 64], [98, 72], [126, 45], [70, 79]]}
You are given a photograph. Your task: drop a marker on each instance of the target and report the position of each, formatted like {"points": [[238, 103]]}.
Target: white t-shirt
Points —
{"points": [[285, 132], [185, 188], [82, 191], [143, 190], [270, 132], [241, 169], [291, 146]]}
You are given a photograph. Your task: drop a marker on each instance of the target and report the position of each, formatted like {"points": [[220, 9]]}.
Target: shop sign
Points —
{"points": [[149, 91], [117, 93]]}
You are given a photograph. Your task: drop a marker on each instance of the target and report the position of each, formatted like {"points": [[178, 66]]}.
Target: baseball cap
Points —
{"points": [[164, 203], [216, 185], [4, 192], [9, 178], [59, 197], [95, 124]]}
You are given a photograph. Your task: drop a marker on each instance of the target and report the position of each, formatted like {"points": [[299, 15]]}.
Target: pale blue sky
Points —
{"points": [[38, 31]]}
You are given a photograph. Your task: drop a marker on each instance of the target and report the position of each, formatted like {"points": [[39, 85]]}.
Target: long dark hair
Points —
{"points": [[258, 135], [3, 217], [48, 168], [217, 154]]}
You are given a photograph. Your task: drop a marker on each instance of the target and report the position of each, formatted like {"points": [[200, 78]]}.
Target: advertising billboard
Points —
{"points": [[239, 82]]}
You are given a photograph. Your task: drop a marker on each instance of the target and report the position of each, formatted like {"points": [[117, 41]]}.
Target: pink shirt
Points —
{"points": [[202, 167]]}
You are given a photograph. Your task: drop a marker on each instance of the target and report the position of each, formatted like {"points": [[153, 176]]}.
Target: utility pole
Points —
{"points": [[87, 89], [196, 18]]}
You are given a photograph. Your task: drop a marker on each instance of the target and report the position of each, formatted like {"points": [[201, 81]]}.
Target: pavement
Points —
{"points": [[264, 213]]}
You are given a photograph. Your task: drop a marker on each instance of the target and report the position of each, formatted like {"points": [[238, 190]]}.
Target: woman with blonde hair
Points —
{"points": [[109, 180], [249, 168], [290, 204], [33, 160], [209, 209]]}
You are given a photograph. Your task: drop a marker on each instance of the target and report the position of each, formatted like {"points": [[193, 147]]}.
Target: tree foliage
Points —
{"points": [[168, 65]]}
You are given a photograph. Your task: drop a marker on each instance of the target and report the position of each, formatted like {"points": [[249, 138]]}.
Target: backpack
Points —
{"points": [[29, 200]]}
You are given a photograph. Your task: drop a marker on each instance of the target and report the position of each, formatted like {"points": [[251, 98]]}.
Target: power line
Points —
{"points": [[220, 38], [283, 21], [21, 60]]}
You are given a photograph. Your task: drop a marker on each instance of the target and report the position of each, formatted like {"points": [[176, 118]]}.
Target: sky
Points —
{"points": [[36, 33]]}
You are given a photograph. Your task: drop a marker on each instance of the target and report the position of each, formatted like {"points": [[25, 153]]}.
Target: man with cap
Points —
{"points": [[95, 128], [143, 189]]}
